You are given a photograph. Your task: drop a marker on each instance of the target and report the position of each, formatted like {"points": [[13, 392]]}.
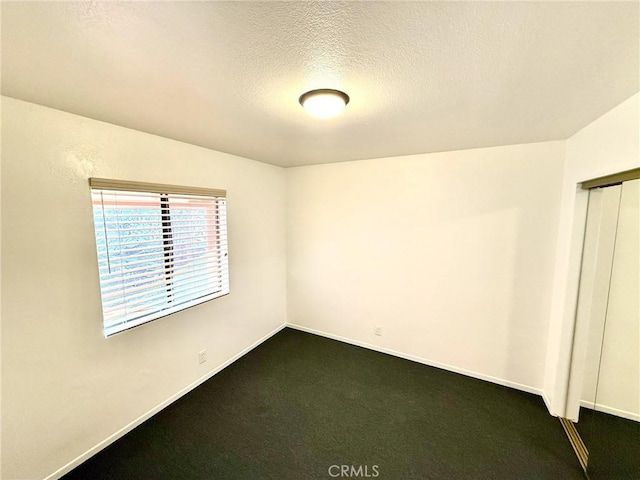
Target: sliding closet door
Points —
{"points": [[595, 276], [614, 446]]}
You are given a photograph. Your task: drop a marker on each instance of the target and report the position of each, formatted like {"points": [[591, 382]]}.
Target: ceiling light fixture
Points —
{"points": [[324, 103]]}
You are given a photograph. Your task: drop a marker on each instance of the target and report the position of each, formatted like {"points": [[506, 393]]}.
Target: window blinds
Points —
{"points": [[161, 249]]}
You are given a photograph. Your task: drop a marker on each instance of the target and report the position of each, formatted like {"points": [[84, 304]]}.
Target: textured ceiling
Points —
{"points": [[422, 76]]}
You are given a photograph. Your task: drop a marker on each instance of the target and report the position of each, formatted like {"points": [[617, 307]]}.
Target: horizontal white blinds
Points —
{"points": [[158, 252]]}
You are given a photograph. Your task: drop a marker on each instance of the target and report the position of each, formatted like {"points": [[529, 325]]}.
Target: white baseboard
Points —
{"points": [[547, 403], [126, 429], [611, 411], [431, 363]]}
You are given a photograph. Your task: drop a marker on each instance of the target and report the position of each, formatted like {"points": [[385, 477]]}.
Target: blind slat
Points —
{"points": [[154, 244], [131, 271], [116, 261], [138, 309], [158, 290], [159, 302], [118, 326], [116, 289], [150, 249], [155, 220]]}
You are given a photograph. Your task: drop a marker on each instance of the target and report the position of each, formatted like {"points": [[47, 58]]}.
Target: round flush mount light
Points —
{"points": [[324, 103]]}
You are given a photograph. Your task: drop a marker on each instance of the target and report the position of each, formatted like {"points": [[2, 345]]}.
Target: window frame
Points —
{"points": [[212, 274]]}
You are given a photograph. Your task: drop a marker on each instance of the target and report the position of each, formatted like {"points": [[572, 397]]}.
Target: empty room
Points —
{"points": [[317, 240]]}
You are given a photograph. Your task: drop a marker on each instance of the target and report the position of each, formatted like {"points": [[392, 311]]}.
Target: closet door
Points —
{"points": [[595, 276], [614, 443]]}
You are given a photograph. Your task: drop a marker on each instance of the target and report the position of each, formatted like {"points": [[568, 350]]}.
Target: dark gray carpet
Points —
{"points": [[299, 404], [613, 444]]}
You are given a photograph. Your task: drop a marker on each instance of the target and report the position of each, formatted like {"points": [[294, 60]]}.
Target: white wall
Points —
{"points": [[451, 253], [65, 387], [608, 145]]}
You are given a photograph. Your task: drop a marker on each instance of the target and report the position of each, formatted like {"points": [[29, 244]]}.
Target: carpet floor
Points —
{"points": [[301, 406], [613, 444]]}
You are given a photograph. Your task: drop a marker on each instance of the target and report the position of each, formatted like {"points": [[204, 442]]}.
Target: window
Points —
{"points": [[161, 249]]}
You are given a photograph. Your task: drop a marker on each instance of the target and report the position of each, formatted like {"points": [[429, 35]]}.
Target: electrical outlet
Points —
{"points": [[202, 356], [378, 330]]}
